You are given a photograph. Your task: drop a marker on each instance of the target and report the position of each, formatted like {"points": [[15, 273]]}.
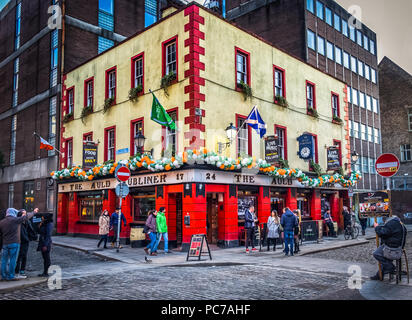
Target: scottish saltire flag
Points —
{"points": [[255, 121]]}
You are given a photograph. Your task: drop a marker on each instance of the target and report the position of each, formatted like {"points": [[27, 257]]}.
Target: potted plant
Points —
{"points": [[337, 120], [247, 91], [68, 117], [167, 81], [85, 112], [135, 92], [283, 163], [316, 168], [313, 112], [107, 104], [281, 101]]}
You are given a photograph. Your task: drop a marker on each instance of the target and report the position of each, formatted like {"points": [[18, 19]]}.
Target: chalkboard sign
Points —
{"points": [[89, 155], [271, 149], [309, 231], [333, 158], [198, 247]]}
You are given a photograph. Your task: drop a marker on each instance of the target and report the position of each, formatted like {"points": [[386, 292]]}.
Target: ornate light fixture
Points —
{"points": [[231, 132]]}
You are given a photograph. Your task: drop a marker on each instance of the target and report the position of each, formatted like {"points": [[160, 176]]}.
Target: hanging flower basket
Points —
{"points": [[68, 117], [135, 92], [246, 90], [313, 112], [107, 104], [166, 81]]}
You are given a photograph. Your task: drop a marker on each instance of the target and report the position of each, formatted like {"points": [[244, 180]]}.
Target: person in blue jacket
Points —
{"points": [[45, 241], [114, 222], [288, 221]]}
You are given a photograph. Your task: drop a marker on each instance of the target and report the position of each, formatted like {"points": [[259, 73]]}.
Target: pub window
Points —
{"points": [[335, 105], [110, 144], [282, 147], [70, 101], [138, 71], [338, 145], [242, 67], [279, 83], [303, 203], [310, 95], [69, 146], [111, 83], [142, 203], [28, 196], [171, 58], [171, 136], [89, 93], [137, 127], [243, 138], [90, 206]]}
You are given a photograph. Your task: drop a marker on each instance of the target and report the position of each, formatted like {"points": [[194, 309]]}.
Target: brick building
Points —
{"points": [[321, 33], [35, 51], [395, 89]]}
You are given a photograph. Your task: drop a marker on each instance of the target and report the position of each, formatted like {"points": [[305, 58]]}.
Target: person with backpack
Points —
{"points": [[27, 234], [151, 230], [161, 224], [288, 222]]}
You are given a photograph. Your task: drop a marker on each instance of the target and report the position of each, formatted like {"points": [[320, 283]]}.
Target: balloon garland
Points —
{"points": [[204, 157]]}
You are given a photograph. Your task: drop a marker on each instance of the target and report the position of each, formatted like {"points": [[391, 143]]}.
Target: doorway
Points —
{"points": [[174, 210], [214, 205]]}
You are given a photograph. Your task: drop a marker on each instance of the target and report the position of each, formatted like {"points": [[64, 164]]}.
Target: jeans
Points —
{"points": [[165, 238], [250, 236], [46, 261], [387, 265], [289, 235], [103, 237], [8, 260], [331, 228], [22, 259], [153, 242]]}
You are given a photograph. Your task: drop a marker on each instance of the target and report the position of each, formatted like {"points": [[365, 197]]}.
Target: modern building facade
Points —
{"points": [[396, 108], [209, 63], [324, 34], [40, 41]]}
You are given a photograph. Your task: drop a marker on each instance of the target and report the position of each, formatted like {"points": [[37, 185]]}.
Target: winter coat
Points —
{"points": [[289, 221], [104, 224], [249, 219], [392, 232], [161, 222], [45, 239], [273, 228], [151, 223], [114, 220]]}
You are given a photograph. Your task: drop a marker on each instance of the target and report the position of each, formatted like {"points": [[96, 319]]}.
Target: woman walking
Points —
{"points": [[297, 230], [152, 232], [104, 227], [45, 241], [273, 229]]}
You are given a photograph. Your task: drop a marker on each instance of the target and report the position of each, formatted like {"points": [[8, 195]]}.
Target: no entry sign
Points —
{"points": [[387, 165], [122, 174]]}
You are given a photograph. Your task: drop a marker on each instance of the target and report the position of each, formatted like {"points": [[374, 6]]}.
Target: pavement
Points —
{"points": [[8, 286]]}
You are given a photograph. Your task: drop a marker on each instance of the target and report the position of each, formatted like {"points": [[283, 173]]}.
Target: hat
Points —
{"points": [[11, 212]]}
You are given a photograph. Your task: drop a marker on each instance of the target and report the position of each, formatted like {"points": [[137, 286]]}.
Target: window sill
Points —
{"points": [[337, 122]]}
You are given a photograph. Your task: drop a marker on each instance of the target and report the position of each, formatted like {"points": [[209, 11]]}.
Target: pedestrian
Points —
{"points": [[273, 229], [250, 226], [161, 224], [347, 218], [329, 222], [393, 235], [104, 227], [27, 234], [288, 222], [363, 223], [45, 241], [151, 227], [297, 230], [114, 224], [10, 230]]}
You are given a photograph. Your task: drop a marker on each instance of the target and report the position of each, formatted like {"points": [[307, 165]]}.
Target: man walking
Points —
{"points": [[10, 230], [250, 224], [114, 223], [288, 221], [162, 228], [393, 235]]}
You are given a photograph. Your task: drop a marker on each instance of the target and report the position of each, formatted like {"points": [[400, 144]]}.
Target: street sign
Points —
{"points": [[122, 174], [387, 165], [350, 191], [122, 190]]}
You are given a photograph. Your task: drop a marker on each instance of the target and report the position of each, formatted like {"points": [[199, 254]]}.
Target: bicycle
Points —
{"points": [[351, 230]]}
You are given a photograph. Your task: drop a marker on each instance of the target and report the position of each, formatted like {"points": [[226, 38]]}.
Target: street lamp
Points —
{"points": [[354, 159], [139, 140], [231, 132]]}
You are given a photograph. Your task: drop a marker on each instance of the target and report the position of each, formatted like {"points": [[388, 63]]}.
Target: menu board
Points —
{"points": [[333, 158], [198, 247], [89, 154], [271, 149], [374, 204]]}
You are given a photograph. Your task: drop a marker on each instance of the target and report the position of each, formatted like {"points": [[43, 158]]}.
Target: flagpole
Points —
{"points": [[244, 122], [36, 134]]}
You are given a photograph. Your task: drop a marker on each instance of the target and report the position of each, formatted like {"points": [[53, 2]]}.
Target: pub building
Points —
{"points": [[208, 64], [214, 200]]}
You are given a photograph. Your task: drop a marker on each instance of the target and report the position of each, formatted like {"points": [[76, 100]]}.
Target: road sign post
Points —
{"points": [[122, 174]]}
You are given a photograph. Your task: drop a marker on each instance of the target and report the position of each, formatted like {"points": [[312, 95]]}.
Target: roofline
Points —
{"points": [[221, 18]]}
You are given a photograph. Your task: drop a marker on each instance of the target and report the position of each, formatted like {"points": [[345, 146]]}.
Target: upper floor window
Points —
{"points": [[365, 42], [103, 44], [365, 164], [243, 138], [171, 136], [138, 71], [88, 137], [170, 56], [54, 57], [367, 72], [69, 146], [361, 99], [356, 130], [310, 95], [150, 12], [346, 60], [335, 105], [311, 40], [52, 124], [375, 105], [321, 45], [369, 102], [242, 67], [310, 6], [338, 55], [354, 64], [363, 131], [376, 135], [328, 15], [280, 132], [16, 70], [280, 90], [336, 19], [359, 37], [372, 46], [111, 83], [345, 28], [70, 101], [355, 98], [409, 118], [18, 27], [106, 15], [406, 154], [352, 33], [319, 10], [360, 68], [349, 94], [370, 134], [330, 50], [137, 127], [373, 75], [13, 140], [110, 144], [89, 92]]}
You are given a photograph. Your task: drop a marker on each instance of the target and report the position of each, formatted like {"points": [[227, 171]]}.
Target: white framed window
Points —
{"points": [[367, 72], [354, 64], [356, 130], [369, 102], [69, 153], [330, 50], [335, 105], [350, 128], [241, 61], [321, 45], [370, 134], [280, 132], [355, 97], [360, 68], [310, 90], [406, 154], [138, 72], [361, 99], [346, 60], [375, 105], [89, 93], [171, 135], [112, 84], [243, 138], [110, 144], [338, 55], [279, 75], [70, 107], [376, 135], [171, 65], [349, 94], [137, 127], [373, 75], [363, 131]]}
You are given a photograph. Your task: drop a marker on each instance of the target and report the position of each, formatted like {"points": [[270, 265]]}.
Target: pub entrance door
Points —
{"points": [[214, 207], [175, 223]]}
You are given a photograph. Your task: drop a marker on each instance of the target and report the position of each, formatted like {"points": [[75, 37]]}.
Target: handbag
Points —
{"points": [[145, 229], [280, 228], [394, 253]]}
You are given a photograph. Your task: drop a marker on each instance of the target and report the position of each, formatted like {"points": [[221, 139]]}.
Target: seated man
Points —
{"points": [[393, 235]]}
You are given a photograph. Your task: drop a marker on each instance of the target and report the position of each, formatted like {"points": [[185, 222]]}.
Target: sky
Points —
{"points": [[3, 3], [391, 20]]}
